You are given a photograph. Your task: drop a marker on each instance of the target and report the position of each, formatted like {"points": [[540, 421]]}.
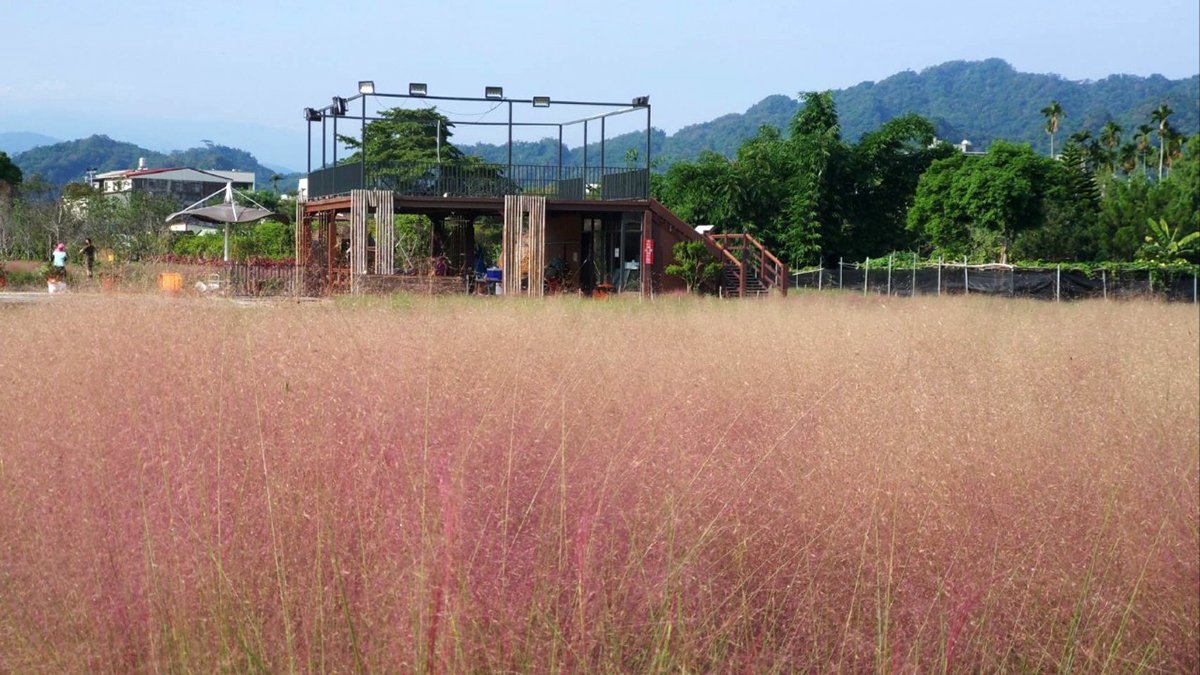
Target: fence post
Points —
{"points": [[939, 269], [839, 273], [866, 274], [966, 277], [1193, 288], [889, 285], [914, 276], [820, 277], [1104, 283], [1058, 283]]}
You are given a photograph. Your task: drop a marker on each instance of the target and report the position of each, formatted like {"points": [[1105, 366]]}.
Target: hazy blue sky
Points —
{"points": [[154, 72]]}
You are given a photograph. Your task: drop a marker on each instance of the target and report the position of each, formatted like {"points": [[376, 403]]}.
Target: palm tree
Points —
{"points": [[1128, 157], [1142, 138], [1174, 145], [1053, 114], [1110, 138], [1160, 115], [275, 178]]}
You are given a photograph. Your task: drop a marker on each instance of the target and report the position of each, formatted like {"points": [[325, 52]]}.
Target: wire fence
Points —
{"points": [[1176, 284]]}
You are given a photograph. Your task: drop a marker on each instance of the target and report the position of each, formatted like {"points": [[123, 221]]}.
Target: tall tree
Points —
{"points": [[1110, 138], [1053, 114], [10, 174], [1159, 116], [411, 150], [975, 205], [1142, 138], [814, 213]]}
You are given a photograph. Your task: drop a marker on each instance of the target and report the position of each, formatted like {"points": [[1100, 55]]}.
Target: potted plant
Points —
{"points": [[56, 278], [555, 274]]}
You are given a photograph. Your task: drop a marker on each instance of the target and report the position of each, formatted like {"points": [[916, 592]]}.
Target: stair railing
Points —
{"points": [[665, 217], [769, 269]]}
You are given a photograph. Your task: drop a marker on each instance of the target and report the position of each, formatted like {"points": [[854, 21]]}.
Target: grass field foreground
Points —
{"points": [[822, 483]]}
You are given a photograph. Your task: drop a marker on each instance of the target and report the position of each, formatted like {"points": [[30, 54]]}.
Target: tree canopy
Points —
{"points": [[10, 173]]}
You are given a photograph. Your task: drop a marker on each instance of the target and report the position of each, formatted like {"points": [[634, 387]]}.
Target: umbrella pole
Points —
{"points": [[226, 242]]}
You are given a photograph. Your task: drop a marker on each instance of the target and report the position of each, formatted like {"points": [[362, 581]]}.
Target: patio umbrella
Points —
{"points": [[229, 211]]}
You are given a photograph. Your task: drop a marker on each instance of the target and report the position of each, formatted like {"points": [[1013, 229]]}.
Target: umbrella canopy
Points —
{"points": [[225, 213]]}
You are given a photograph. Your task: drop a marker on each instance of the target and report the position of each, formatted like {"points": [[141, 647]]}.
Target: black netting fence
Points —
{"points": [[1176, 284]]}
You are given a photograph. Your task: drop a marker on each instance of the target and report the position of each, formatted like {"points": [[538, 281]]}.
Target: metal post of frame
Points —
{"points": [[602, 120], [560, 153], [309, 123], [322, 141], [866, 275], [647, 151], [362, 155], [334, 139], [510, 176]]}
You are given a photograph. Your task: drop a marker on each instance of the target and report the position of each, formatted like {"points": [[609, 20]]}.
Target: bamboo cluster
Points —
{"points": [[523, 249], [361, 204]]}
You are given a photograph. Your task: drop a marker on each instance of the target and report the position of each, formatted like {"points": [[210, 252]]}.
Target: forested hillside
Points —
{"points": [[982, 101], [70, 161]]}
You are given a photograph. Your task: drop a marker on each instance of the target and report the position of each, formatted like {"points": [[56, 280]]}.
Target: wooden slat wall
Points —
{"points": [[359, 206], [523, 246], [302, 236], [385, 232]]}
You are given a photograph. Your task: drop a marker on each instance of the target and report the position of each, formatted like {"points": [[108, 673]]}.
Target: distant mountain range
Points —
{"points": [[980, 101], [977, 100], [69, 161], [12, 142]]}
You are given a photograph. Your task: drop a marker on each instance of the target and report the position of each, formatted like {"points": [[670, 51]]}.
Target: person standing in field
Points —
{"points": [[89, 255], [58, 261]]}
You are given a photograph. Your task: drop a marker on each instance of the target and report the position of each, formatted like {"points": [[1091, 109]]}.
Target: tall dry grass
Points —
{"points": [[460, 485]]}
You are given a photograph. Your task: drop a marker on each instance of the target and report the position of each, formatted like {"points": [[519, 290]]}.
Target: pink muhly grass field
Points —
{"points": [[822, 483]]}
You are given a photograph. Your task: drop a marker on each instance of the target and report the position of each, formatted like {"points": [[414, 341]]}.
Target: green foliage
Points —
{"points": [[78, 191], [1054, 114], [405, 136], [408, 145], [412, 236], [974, 205], [702, 193], [62, 163], [1166, 245], [810, 194], [265, 239], [10, 173], [694, 264]]}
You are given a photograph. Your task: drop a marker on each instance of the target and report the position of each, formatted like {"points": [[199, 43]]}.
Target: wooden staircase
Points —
{"points": [[748, 269]]}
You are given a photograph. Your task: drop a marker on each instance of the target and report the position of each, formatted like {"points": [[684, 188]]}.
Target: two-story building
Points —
{"points": [[184, 185]]}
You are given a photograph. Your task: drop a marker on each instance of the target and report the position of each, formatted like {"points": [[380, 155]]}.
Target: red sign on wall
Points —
{"points": [[648, 252]]}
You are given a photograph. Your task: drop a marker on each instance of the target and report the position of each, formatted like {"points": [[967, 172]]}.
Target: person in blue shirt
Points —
{"points": [[58, 261]]}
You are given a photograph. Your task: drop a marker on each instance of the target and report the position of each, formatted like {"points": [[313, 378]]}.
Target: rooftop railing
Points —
{"points": [[433, 179]]}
